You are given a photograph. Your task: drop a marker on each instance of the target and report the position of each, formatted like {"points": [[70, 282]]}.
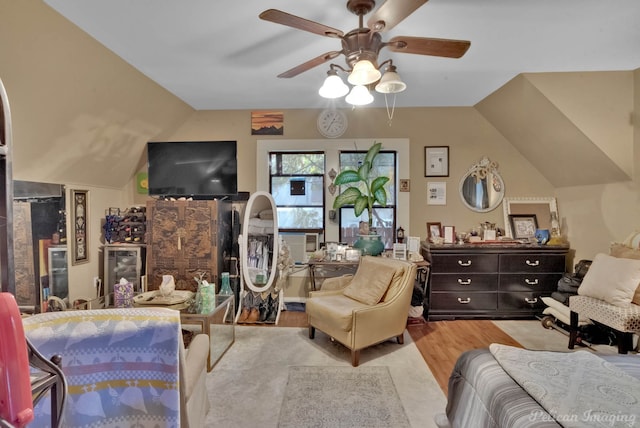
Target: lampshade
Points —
{"points": [[359, 96], [333, 86], [390, 83], [363, 73]]}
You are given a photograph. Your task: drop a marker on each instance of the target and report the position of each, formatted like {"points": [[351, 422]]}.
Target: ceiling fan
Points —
{"points": [[365, 43]]}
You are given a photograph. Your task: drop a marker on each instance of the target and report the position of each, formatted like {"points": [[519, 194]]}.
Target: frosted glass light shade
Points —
{"points": [[359, 96], [333, 87], [364, 73], [390, 83]]}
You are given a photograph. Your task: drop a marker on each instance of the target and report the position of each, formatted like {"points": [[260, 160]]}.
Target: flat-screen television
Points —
{"points": [[200, 169]]}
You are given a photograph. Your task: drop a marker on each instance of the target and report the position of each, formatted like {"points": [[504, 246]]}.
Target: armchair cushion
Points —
{"points": [[626, 252], [371, 281], [611, 279], [335, 309]]}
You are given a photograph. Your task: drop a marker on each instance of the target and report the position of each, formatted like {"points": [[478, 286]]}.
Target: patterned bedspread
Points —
{"points": [[121, 365], [579, 389]]}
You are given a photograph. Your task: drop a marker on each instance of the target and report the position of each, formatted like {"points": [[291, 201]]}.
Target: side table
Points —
{"points": [[219, 325], [333, 266]]}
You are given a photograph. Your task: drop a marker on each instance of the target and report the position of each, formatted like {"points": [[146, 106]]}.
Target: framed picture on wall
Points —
{"points": [[436, 161], [79, 219]]}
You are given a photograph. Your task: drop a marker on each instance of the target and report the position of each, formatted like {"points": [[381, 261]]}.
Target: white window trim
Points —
{"points": [[332, 150]]}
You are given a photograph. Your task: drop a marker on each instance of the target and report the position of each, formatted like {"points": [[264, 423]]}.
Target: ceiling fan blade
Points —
{"points": [[310, 64], [284, 18], [392, 12], [429, 46]]}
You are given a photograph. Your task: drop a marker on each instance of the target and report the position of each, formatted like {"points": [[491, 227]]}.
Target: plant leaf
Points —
{"points": [[378, 183], [372, 153], [381, 196], [348, 197], [363, 171], [361, 203], [347, 176]]}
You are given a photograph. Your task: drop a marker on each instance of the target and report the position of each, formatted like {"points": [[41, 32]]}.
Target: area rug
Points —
{"points": [[247, 387], [341, 397]]}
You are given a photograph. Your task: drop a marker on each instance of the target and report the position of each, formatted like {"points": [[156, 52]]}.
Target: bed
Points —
{"points": [[495, 387]]}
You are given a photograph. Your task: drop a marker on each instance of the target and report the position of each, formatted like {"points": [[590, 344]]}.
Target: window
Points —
{"points": [[297, 185], [384, 218]]}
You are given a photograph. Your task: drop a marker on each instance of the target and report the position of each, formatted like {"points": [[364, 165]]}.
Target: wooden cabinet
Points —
{"points": [[492, 281], [185, 239]]}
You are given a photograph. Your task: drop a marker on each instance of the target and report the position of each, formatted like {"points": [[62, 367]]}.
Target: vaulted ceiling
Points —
{"points": [[220, 55]]}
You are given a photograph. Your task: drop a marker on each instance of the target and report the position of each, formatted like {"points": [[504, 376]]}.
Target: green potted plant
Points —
{"points": [[366, 190]]}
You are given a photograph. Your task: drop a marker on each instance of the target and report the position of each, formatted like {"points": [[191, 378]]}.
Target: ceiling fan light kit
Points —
{"points": [[390, 82], [362, 45], [333, 86], [363, 73], [359, 96]]}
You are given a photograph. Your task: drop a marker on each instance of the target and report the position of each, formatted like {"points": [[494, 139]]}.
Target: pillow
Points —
{"points": [[611, 279], [626, 252], [370, 282], [266, 214]]}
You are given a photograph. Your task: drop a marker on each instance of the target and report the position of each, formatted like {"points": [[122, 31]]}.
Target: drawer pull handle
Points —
{"points": [[531, 301], [463, 282], [530, 282], [467, 263], [534, 263], [464, 301]]}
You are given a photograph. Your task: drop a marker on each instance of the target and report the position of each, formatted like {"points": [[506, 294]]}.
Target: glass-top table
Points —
{"points": [[218, 324]]}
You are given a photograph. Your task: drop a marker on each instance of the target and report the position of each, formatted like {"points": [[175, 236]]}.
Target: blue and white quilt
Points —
{"points": [[121, 365]]}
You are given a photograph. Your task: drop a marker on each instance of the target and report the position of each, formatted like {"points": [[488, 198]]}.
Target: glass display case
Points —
{"points": [[58, 273], [123, 261]]}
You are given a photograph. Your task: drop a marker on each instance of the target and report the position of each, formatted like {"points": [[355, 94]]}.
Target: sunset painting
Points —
{"points": [[267, 123]]}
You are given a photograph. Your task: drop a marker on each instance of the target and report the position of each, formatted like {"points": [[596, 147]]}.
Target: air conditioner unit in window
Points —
{"points": [[301, 245]]}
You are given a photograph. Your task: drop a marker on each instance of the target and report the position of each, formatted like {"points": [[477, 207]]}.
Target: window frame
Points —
{"points": [[393, 192], [323, 207]]}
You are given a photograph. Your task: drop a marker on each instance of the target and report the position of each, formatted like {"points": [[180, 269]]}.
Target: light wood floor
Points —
{"points": [[439, 342]]}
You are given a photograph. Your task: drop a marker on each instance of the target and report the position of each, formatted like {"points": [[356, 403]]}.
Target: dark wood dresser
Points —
{"points": [[492, 280]]}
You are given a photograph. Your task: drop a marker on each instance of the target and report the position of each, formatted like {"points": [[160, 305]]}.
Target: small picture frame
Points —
{"points": [[523, 226], [436, 193], [436, 161], [449, 234], [434, 230], [400, 251]]}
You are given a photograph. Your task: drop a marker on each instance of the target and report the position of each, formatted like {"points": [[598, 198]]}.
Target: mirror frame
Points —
{"points": [[550, 202], [484, 163]]}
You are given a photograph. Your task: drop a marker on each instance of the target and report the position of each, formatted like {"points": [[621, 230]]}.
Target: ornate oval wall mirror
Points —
{"points": [[482, 188]]}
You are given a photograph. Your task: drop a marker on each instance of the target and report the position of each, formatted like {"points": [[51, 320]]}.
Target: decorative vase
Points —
{"points": [[369, 245], [225, 287], [542, 235]]}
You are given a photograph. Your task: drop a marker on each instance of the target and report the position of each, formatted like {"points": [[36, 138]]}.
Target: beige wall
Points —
{"points": [[82, 117]]}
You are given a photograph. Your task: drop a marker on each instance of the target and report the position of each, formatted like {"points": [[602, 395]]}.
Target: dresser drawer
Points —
{"points": [[532, 263], [521, 301], [458, 263], [529, 282], [463, 302], [464, 282]]}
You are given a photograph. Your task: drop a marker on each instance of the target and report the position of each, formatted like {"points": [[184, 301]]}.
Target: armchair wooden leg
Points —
{"points": [[355, 358], [573, 329], [400, 339], [312, 332], [625, 342]]}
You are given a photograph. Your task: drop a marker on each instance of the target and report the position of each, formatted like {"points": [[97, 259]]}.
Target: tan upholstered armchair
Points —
{"points": [[364, 309]]}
